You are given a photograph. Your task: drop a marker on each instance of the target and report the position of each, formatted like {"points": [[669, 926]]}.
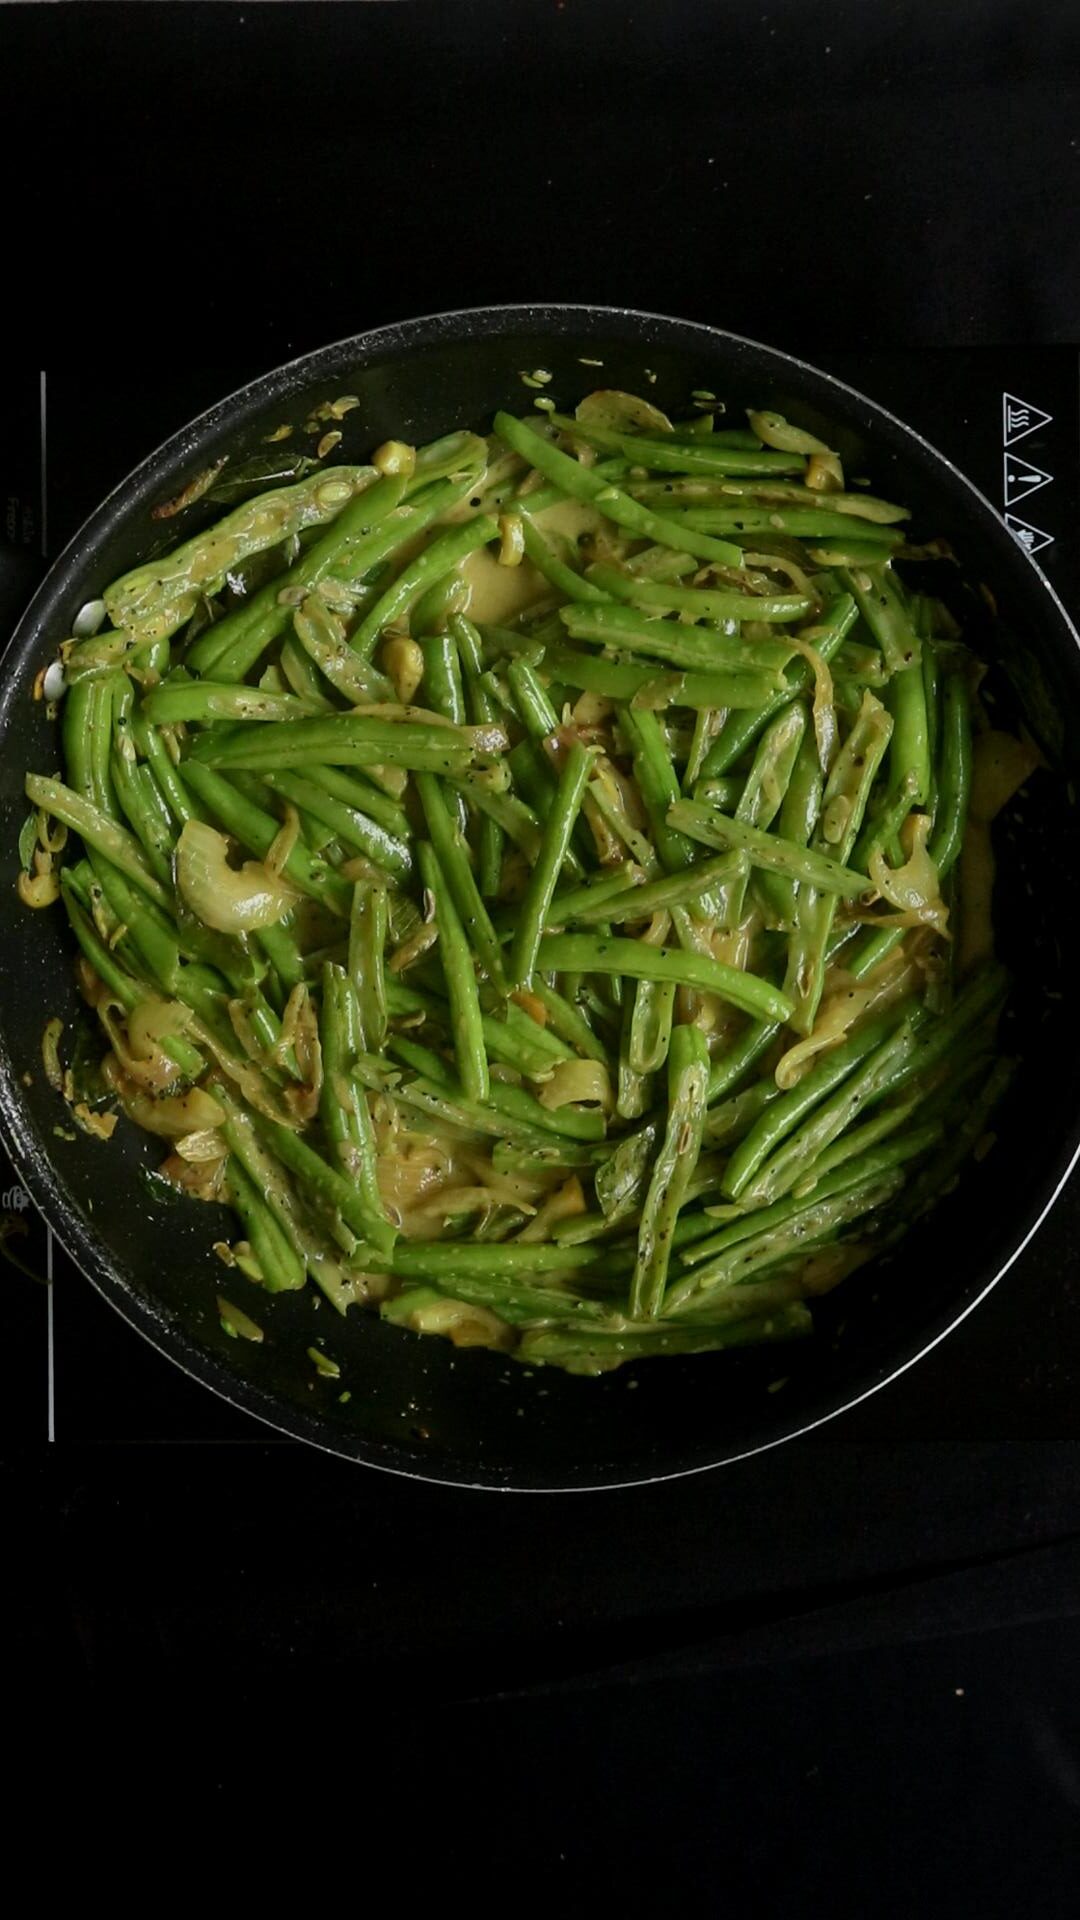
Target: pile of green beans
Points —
{"points": [[521, 878]]}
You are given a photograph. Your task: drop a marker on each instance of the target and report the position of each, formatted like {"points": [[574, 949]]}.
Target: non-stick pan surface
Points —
{"points": [[414, 1405]]}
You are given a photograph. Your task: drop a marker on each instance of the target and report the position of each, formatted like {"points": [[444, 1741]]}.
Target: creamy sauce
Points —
{"points": [[496, 593]]}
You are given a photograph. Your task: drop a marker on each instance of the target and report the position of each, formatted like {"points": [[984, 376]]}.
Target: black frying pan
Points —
{"points": [[417, 1406]]}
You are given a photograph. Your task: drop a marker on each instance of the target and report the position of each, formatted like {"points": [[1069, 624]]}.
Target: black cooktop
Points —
{"points": [[852, 1659]]}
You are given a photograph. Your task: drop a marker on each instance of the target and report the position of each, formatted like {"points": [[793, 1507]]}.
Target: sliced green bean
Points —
{"points": [[536, 906], [585, 953], [688, 1077]]}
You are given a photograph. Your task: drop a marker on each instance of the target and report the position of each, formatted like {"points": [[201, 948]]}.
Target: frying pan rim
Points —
{"points": [[49, 1192]]}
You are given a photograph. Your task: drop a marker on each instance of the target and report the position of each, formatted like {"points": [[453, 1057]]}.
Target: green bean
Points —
{"points": [[792, 1160], [583, 483], [479, 1118], [280, 1265], [700, 603], [97, 654], [569, 1022], [335, 1190], [356, 790], [940, 1173], [675, 456], [931, 675], [166, 775], [483, 711], [768, 850], [97, 831], [442, 677], [654, 896], [650, 1026], [764, 788], [584, 953], [740, 730], [688, 1075], [449, 1260], [792, 1107], [465, 1014], [534, 709], [155, 599], [909, 748], [445, 552], [368, 529], [953, 776], [368, 927], [745, 525], [765, 490], [129, 991], [454, 864], [806, 1231], [847, 788], [633, 1088], [345, 740], [435, 607], [303, 675], [558, 828], [321, 634], [204, 701], [580, 1350], [658, 786], [343, 1106], [881, 603], [512, 1038], [516, 819], [731, 1121], [596, 894], [981, 999], [78, 726], [854, 1169], [702, 649], [267, 1174], [880, 833], [346, 822], [535, 500], [800, 810], [655, 687], [146, 812], [555, 571], [148, 931], [744, 1053]]}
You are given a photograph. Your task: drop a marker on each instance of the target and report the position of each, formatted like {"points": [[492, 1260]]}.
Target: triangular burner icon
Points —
{"points": [[1019, 418], [1030, 538], [1021, 478]]}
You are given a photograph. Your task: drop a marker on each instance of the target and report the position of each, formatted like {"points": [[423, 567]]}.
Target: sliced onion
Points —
{"points": [[824, 473], [223, 897], [825, 725], [841, 1010], [774, 431], [173, 1116], [568, 1203], [621, 412], [914, 889], [577, 1080], [204, 1144]]}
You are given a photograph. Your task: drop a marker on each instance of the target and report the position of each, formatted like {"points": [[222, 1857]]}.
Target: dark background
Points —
{"points": [[846, 1675]]}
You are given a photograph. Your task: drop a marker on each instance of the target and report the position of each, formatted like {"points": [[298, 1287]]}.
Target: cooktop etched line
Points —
{"points": [[44, 405]]}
